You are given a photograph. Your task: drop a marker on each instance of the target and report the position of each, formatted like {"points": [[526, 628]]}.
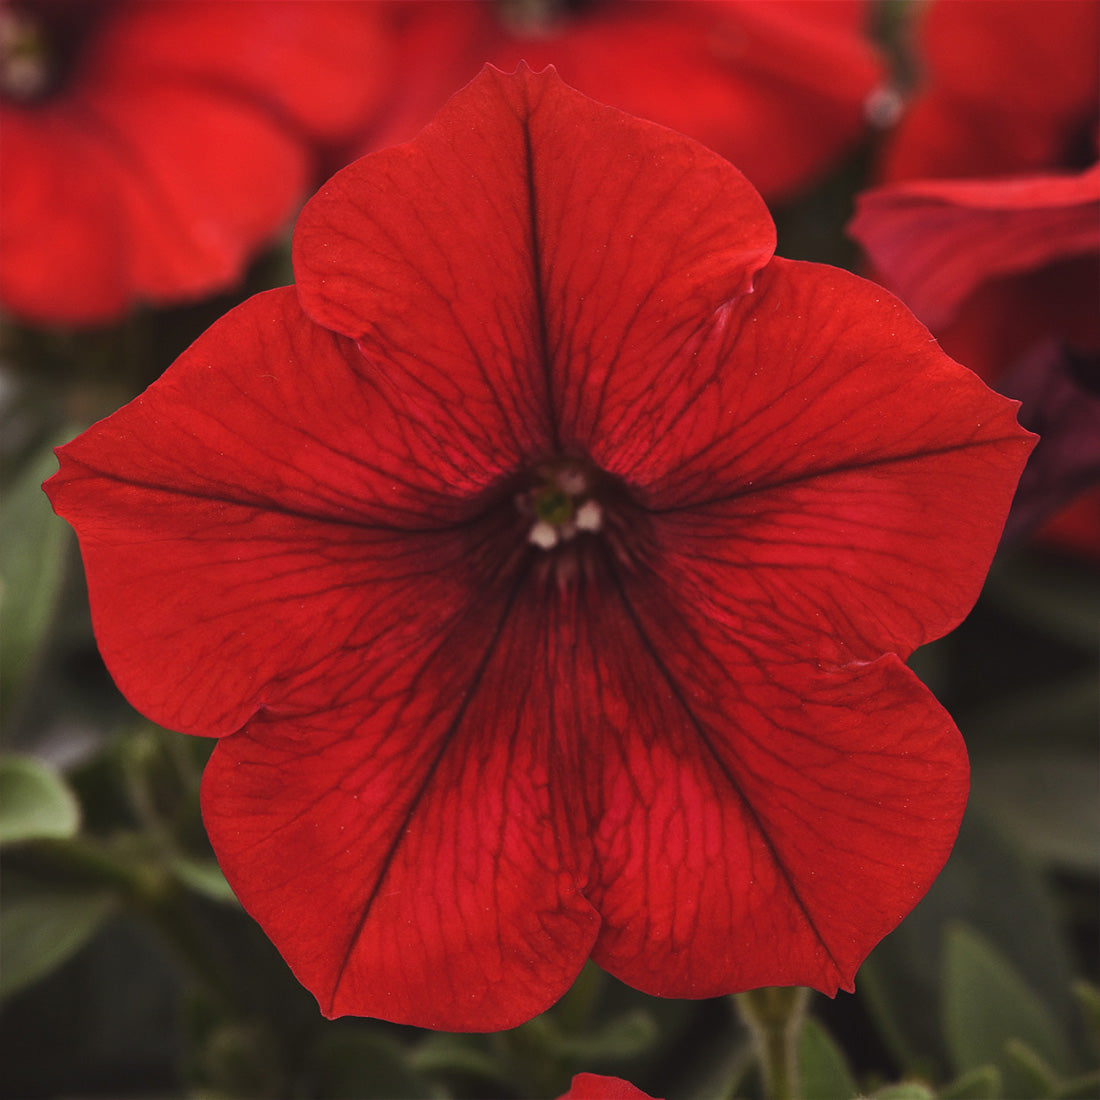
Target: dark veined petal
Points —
{"points": [[418, 862], [255, 518], [826, 479], [528, 243], [761, 819]]}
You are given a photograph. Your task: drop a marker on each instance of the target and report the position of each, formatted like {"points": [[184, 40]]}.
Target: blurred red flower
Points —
{"points": [[999, 254], [778, 87], [594, 1086], [547, 561], [150, 149], [1003, 86], [1006, 273]]}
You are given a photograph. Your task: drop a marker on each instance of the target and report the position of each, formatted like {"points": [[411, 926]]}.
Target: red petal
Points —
{"points": [[54, 173], [936, 241], [243, 504], [850, 477], [594, 1086], [494, 274], [416, 861], [763, 820], [323, 64]]}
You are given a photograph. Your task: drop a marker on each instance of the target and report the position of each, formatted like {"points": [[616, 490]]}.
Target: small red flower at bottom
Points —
{"points": [[594, 1086], [546, 560]]}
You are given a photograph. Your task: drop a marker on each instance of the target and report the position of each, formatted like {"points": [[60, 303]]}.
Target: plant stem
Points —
{"points": [[774, 1015]]}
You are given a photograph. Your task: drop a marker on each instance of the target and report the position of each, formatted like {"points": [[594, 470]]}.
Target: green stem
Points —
{"points": [[774, 1015]]}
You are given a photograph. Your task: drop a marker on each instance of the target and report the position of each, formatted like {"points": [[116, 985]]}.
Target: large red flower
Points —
{"points": [[149, 149], [779, 87], [547, 561]]}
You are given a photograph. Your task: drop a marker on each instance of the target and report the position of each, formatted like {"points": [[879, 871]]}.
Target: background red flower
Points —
{"points": [[778, 87], [150, 149], [1002, 86]]}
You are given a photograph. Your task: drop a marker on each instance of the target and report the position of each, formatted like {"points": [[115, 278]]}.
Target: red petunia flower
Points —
{"points": [[594, 1086], [546, 561], [779, 87], [150, 149], [1004, 86], [1006, 273]]}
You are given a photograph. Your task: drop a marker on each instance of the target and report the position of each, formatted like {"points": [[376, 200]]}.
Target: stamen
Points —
{"points": [[24, 71], [589, 516], [543, 535]]}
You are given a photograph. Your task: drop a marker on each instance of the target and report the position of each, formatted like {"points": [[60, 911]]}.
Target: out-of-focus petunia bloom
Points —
{"points": [[1006, 273], [594, 1086], [546, 561], [779, 87], [150, 149], [1003, 86]]}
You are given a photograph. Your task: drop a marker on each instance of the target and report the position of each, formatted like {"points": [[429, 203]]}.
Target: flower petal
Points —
{"points": [[594, 1086], [490, 276], [320, 62], [937, 241], [821, 476], [762, 820], [417, 862], [215, 502]]}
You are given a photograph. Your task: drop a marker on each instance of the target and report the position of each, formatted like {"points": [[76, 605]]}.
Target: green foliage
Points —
{"points": [[991, 1016], [824, 1069], [43, 924], [32, 567], [35, 801]]}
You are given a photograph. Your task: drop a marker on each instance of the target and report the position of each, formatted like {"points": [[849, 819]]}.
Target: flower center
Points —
{"points": [[40, 44], [536, 18], [561, 504], [24, 63]]}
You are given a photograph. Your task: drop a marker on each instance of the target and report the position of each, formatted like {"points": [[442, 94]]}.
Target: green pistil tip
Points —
{"points": [[554, 506]]}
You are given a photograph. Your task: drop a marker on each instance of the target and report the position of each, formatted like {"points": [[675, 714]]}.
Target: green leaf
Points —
{"points": [[449, 1054], [981, 1083], [988, 885], [205, 877], [987, 1004], [825, 1073], [43, 925], [1059, 597], [1038, 1078], [907, 1090], [1087, 997], [1046, 800], [35, 801], [1085, 1087], [32, 566]]}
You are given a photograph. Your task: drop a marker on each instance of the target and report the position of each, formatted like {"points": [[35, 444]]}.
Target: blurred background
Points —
{"points": [[153, 156]]}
